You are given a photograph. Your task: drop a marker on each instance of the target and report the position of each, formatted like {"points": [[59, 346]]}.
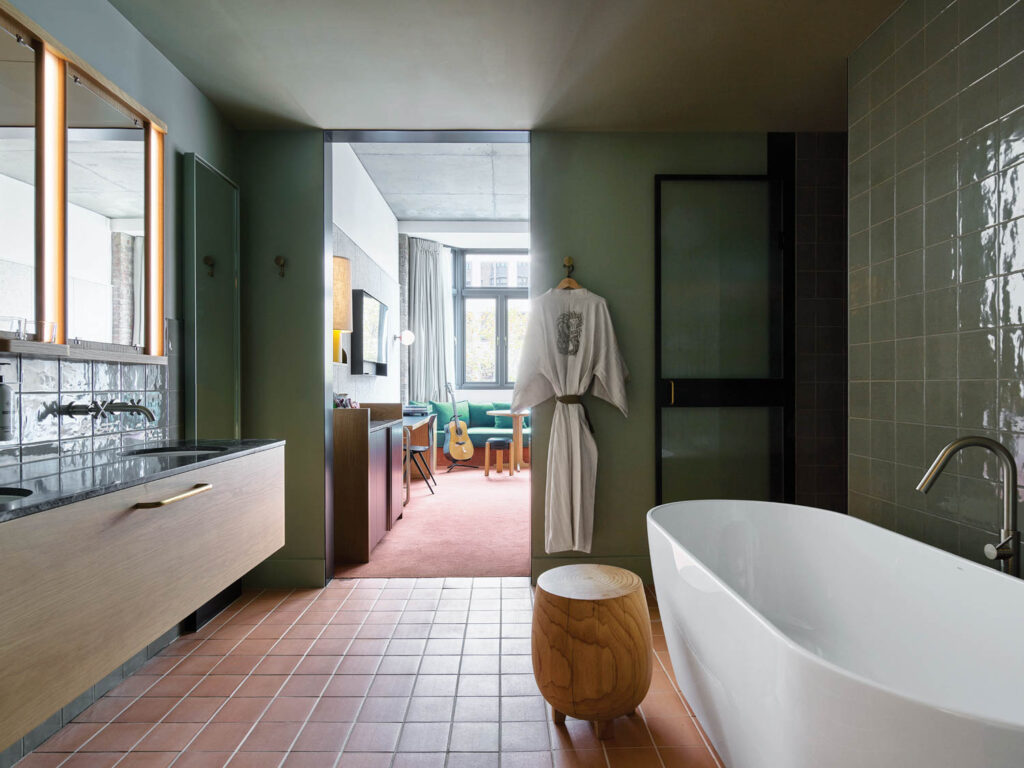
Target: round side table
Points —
{"points": [[591, 642]]}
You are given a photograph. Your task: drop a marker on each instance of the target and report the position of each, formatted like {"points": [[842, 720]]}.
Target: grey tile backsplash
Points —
{"points": [[936, 295]]}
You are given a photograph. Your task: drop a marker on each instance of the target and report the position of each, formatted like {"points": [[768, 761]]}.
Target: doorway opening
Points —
{"points": [[432, 232]]}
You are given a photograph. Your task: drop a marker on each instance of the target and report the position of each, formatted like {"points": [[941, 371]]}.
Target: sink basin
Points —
{"points": [[8, 495], [178, 450]]}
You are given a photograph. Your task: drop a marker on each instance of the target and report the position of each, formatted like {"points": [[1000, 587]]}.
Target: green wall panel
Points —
{"points": [[592, 198]]}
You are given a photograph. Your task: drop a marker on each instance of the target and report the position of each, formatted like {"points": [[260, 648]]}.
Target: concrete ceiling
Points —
{"points": [[496, 64], [467, 182], [106, 177]]}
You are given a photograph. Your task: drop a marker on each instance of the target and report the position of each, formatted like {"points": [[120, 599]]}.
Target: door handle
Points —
{"points": [[193, 491], [671, 392]]}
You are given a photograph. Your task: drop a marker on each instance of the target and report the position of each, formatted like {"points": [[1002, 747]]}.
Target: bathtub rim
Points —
{"points": [[800, 649]]}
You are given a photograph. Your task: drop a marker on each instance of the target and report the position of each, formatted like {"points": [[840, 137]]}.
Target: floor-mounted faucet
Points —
{"points": [[1008, 549]]}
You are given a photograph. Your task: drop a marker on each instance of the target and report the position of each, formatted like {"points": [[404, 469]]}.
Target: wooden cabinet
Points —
{"points": [[365, 502], [87, 585], [396, 476]]}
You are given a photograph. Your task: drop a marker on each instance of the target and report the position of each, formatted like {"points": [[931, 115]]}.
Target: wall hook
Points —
{"points": [[281, 263], [568, 266], [210, 263]]}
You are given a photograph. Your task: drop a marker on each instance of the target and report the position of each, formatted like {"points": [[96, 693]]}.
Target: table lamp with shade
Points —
{"points": [[342, 293]]}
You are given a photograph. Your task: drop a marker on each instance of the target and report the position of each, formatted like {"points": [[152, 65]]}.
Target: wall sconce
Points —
{"points": [[342, 292], [406, 337]]}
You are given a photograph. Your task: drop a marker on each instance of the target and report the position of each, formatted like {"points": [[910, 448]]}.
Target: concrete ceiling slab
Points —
{"points": [[647, 65]]}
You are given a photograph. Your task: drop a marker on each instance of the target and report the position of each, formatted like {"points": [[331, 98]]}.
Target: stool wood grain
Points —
{"points": [[591, 642]]}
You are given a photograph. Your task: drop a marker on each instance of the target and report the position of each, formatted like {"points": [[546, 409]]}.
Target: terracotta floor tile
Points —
{"points": [[190, 759], [271, 737], [104, 710], [166, 737], [629, 732], [524, 708], [663, 705], [310, 759], [365, 760], [276, 665], [573, 735], [257, 759], [480, 709], [70, 737], [261, 685], [585, 758], [243, 710], [633, 758], [525, 760], [336, 709], [236, 665], [251, 646], [687, 757], [392, 685], [519, 737], [218, 685], [220, 737], [289, 709], [674, 731], [424, 737], [195, 709], [296, 647], [430, 709], [305, 685], [173, 685], [93, 759], [348, 685], [317, 665], [383, 709], [147, 759], [148, 710], [195, 665], [475, 737], [135, 685], [419, 760], [373, 737], [216, 646], [322, 737], [116, 737], [42, 760], [473, 760], [355, 665]]}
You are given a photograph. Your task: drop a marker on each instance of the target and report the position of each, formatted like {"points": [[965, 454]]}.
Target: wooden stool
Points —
{"points": [[591, 641], [500, 445]]}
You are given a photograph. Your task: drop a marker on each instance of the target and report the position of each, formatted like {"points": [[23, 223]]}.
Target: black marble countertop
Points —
{"points": [[376, 424], [124, 471]]}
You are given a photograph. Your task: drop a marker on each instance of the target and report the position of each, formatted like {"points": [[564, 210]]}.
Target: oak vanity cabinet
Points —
{"points": [[87, 585]]}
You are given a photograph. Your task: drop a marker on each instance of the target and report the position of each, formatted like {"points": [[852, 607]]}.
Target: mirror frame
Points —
{"points": [[53, 63]]}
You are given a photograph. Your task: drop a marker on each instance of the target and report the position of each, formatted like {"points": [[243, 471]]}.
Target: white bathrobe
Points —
{"points": [[570, 342]]}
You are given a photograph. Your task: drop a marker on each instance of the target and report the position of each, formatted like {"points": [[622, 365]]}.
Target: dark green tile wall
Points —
{"points": [[936, 298]]}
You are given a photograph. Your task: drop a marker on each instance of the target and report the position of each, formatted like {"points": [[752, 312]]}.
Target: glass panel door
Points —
{"points": [[724, 390]]}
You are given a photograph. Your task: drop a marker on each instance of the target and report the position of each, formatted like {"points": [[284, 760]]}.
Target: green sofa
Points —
{"points": [[481, 426]]}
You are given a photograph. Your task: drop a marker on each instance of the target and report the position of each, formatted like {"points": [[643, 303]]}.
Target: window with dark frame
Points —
{"points": [[491, 300]]}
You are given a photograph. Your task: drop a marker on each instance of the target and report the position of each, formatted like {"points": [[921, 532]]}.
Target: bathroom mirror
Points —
{"points": [[212, 303], [106, 217], [17, 182]]}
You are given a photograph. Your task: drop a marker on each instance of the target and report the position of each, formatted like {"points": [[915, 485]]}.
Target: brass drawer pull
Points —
{"points": [[194, 491]]}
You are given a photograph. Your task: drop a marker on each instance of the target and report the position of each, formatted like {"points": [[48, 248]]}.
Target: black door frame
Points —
{"points": [[778, 392]]}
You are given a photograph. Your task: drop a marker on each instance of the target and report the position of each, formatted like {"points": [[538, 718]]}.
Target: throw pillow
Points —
{"points": [[443, 411], [478, 415], [502, 422]]}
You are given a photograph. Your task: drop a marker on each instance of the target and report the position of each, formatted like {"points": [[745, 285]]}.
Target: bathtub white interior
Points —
{"points": [[894, 613]]}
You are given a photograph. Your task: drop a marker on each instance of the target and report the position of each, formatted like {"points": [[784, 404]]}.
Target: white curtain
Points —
{"points": [[430, 319]]}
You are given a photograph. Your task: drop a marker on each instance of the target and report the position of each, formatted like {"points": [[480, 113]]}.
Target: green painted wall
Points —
{"points": [[592, 198], [95, 31], [285, 339]]}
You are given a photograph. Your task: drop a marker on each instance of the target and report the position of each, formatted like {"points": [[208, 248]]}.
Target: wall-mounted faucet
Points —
{"points": [[1008, 549], [102, 410]]}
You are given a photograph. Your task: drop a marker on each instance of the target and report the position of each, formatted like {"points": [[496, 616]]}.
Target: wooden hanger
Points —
{"points": [[567, 283]]}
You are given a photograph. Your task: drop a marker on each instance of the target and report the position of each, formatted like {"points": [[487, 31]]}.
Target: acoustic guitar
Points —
{"points": [[457, 445]]}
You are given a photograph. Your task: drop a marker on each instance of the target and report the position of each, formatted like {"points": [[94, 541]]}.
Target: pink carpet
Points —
{"points": [[472, 526]]}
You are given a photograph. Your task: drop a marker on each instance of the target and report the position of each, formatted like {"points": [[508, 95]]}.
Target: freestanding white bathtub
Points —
{"points": [[809, 639]]}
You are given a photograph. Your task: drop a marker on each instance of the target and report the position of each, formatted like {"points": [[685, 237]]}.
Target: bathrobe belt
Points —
{"points": [[577, 400]]}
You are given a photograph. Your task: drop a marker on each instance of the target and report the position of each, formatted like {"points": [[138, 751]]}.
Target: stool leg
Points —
{"points": [[487, 459], [500, 465], [604, 729], [558, 718]]}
